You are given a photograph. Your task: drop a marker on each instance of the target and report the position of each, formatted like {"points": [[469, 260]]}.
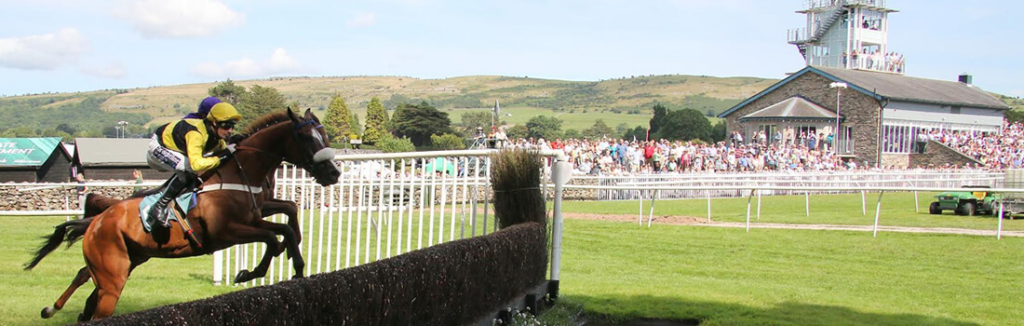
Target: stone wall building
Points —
{"points": [[879, 113]]}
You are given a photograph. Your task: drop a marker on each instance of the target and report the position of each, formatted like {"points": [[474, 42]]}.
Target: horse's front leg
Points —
{"points": [[290, 209], [292, 246], [240, 234]]}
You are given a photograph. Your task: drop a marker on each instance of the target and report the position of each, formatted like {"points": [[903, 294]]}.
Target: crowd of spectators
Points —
{"points": [[621, 157], [994, 150]]}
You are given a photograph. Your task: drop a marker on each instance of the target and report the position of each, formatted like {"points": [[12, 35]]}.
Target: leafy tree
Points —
{"points": [[517, 132], [20, 132], [376, 121], [599, 130], [659, 116], [418, 122], [228, 91], [639, 133], [336, 123], [1014, 116], [685, 124], [544, 127], [572, 134], [65, 128], [473, 120], [355, 126], [390, 144], [258, 102], [447, 142], [621, 129], [58, 133], [719, 132]]}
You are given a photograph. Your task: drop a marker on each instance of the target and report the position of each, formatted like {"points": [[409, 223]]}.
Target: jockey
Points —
{"points": [[180, 147]]}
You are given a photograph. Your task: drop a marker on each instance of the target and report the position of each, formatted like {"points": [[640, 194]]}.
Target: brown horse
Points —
{"points": [[114, 241]]}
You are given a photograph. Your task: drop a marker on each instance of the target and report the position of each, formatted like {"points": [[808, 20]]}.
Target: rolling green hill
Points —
{"points": [[579, 104]]}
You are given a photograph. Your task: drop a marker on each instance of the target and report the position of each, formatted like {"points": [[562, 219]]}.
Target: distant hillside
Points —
{"points": [[1014, 102], [624, 100]]}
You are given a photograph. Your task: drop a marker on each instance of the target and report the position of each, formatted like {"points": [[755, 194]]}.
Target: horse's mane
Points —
{"points": [[263, 122]]}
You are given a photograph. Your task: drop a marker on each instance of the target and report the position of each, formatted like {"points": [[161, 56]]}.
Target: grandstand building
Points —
{"points": [[853, 85]]}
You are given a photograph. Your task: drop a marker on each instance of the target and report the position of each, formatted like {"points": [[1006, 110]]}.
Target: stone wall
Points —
{"points": [[937, 154], [896, 160], [13, 199], [859, 110]]}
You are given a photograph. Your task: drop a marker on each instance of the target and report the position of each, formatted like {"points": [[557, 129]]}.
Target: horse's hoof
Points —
{"points": [[48, 312], [81, 318], [243, 276], [297, 276]]}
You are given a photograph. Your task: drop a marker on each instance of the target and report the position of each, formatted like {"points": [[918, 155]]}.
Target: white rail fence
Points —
{"points": [[384, 205], [389, 204], [620, 188]]}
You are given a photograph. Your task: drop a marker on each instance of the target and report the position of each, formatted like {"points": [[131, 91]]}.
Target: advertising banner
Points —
{"points": [[26, 151]]}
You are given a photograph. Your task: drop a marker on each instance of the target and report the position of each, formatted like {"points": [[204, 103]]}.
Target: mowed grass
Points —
{"points": [[843, 209], [722, 276], [155, 283], [725, 276]]}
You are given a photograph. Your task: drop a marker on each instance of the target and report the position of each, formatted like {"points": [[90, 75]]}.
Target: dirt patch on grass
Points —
{"points": [[660, 219], [702, 221]]}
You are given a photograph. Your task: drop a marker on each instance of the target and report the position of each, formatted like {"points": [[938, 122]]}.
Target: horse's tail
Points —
{"points": [[69, 231], [96, 204]]}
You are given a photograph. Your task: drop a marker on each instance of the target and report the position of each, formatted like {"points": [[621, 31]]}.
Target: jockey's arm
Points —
{"points": [[194, 141]]}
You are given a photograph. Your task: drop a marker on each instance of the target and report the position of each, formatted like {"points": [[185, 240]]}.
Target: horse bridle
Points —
{"points": [[312, 158]]}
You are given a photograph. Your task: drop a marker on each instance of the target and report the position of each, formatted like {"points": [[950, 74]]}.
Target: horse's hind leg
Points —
{"points": [[108, 260], [81, 278], [90, 306]]}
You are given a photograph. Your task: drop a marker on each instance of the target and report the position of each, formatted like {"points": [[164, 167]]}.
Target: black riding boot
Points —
{"points": [[159, 210]]}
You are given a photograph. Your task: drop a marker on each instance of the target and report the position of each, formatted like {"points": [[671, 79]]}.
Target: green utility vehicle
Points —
{"points": [[974, 200]]}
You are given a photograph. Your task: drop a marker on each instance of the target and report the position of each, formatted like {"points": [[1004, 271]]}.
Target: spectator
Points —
{"points": [[81, 189]]}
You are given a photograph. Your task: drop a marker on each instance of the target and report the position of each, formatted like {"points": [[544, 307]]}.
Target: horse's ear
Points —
{"points": [[291, 115], [309, 113]]}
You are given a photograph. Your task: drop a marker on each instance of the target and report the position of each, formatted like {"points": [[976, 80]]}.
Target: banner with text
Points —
{"points": [[26, 151]]}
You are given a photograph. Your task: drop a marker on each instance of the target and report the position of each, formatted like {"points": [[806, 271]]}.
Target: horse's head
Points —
{"points": [[312, 148]]}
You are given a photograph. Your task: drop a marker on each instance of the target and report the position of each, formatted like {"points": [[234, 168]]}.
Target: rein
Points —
{"points": [[245, 179]]}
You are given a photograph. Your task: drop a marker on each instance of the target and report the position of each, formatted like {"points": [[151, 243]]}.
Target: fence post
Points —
{"points": [[561, 172], [748, 208], [878, 210]]}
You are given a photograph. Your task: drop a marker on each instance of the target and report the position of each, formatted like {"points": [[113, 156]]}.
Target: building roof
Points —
{"points": [[111, 151], [26, 151], [796, 107], [922, 90], [893, 87]]}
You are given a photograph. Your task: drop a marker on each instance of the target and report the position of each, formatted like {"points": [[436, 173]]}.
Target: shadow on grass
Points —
{"points": [[651, 311]]}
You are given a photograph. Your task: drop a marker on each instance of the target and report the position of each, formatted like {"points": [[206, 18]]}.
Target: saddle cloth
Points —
{"points": [[183, 204]]}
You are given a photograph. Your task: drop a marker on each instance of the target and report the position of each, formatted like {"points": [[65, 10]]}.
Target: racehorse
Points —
{"points": [[114, 241]]}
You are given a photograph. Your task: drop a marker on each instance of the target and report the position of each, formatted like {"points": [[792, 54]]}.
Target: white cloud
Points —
{"points": [[279, 63], [362, 19], [43, 52], [179, 18], [113, 70]]}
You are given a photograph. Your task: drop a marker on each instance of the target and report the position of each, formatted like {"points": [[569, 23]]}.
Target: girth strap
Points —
{"points": [[231, 186]]}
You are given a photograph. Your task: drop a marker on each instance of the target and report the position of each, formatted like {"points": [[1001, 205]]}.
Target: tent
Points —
{"points": [[441, 165]]}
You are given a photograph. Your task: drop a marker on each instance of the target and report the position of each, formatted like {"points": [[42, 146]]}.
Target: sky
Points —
{"points": [[84, 45]]}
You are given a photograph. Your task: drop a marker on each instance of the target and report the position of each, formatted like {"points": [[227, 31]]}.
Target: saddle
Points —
{"points": [[181, 205]]}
